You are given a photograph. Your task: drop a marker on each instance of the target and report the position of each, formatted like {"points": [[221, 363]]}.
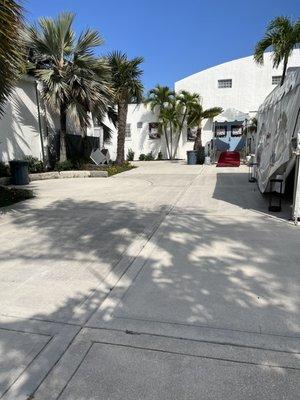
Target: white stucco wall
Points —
{"points": [[19, 129], [251, 83], [19, 126], [139, 141]]}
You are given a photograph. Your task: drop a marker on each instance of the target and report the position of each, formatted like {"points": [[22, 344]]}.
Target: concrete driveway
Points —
{"points": [[165, 282]]}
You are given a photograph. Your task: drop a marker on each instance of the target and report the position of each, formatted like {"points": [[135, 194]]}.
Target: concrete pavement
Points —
{"points": [[165, 282]]}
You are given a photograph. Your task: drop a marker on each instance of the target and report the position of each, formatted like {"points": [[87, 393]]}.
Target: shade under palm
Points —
{"points": [[282, 36], [74, 81]]}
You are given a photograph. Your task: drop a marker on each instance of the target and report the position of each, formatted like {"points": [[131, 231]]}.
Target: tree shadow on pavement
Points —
{"points": [[63, 261]]}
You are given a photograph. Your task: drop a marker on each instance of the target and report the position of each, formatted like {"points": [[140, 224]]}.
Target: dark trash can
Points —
{"points": [[19, 172], [191, 157], [201, 155]]}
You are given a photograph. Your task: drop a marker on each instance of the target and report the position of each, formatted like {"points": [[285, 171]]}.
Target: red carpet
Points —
{"points": [[229, 159]]}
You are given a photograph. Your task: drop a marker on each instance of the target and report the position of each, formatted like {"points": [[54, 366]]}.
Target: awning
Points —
{"points": [[231, 115]]}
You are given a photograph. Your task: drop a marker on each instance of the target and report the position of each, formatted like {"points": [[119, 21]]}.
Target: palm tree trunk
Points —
{"points": [[122, 118], [171, 141], [63, 133], [198, 139], [179, 133], [167, 142], [285, 62]]}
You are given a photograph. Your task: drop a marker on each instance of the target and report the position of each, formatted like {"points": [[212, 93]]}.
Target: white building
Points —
{"points": [[25, 123], [238, 86]]}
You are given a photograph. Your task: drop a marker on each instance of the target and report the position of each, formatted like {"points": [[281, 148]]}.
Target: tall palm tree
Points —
{"points": [[128, 88], [159, 99], [196, 117], [185, 104], [74, 81], [169, 119], [11, 47], [282, 36]]}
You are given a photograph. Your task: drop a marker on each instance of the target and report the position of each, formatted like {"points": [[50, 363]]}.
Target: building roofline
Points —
{"points": [[224, 63]]}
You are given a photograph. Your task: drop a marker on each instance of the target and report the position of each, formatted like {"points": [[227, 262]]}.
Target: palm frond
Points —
{"points": [[126, 77], [281, 37], [260, 48], [70, 73], [11, 47], [212, 112]]}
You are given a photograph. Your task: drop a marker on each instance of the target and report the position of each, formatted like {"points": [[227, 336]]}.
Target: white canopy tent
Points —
{"points": [[231, 115]]}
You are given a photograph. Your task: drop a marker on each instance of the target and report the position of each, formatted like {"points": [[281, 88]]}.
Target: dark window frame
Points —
{"points": [[128, 130], [153, 125], [225, 130], [276, 77], [236, 126], [221, 81]]}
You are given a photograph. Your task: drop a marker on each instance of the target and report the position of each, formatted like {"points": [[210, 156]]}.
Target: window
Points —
{"points": [[236, 130], [220, 131], [224, 83], [128, 131], [154, 130], [139, 125], [276, 80]]}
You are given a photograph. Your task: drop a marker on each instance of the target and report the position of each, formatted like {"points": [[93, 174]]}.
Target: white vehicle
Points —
{"points": [[278, 131]]}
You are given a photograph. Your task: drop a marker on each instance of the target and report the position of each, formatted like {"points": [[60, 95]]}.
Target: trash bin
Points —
{"points": [[201, 155], [19, 172], [192, 157]]}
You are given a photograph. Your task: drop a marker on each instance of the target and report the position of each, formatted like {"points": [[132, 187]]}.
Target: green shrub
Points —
{"points": [[64, 166], [130, 155], [116, 169], [159, 156], [34, 164], [142, 157], [149, 157], [4, 169]]}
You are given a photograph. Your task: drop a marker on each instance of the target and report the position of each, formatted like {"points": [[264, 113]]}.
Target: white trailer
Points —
{"points": [[278, 136]]}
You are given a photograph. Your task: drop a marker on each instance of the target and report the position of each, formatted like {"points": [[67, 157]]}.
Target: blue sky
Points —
{"points": [[176, 38]]}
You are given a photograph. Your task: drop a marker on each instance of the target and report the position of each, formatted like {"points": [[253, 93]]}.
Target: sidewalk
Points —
{"points": [[166, 282]]}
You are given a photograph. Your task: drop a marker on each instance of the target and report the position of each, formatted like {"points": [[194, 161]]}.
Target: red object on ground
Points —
{"points": [[229, 159]]}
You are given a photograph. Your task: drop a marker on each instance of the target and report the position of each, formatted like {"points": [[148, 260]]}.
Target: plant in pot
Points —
{"points": [[195, 119]]}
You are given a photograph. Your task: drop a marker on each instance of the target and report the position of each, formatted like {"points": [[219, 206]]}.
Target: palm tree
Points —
{"points": [[74, 82], [185, 104], [196, 117], [126, 81], [11, 47], [159, 99], [169, 119], [252, 127], [282, 36]]}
